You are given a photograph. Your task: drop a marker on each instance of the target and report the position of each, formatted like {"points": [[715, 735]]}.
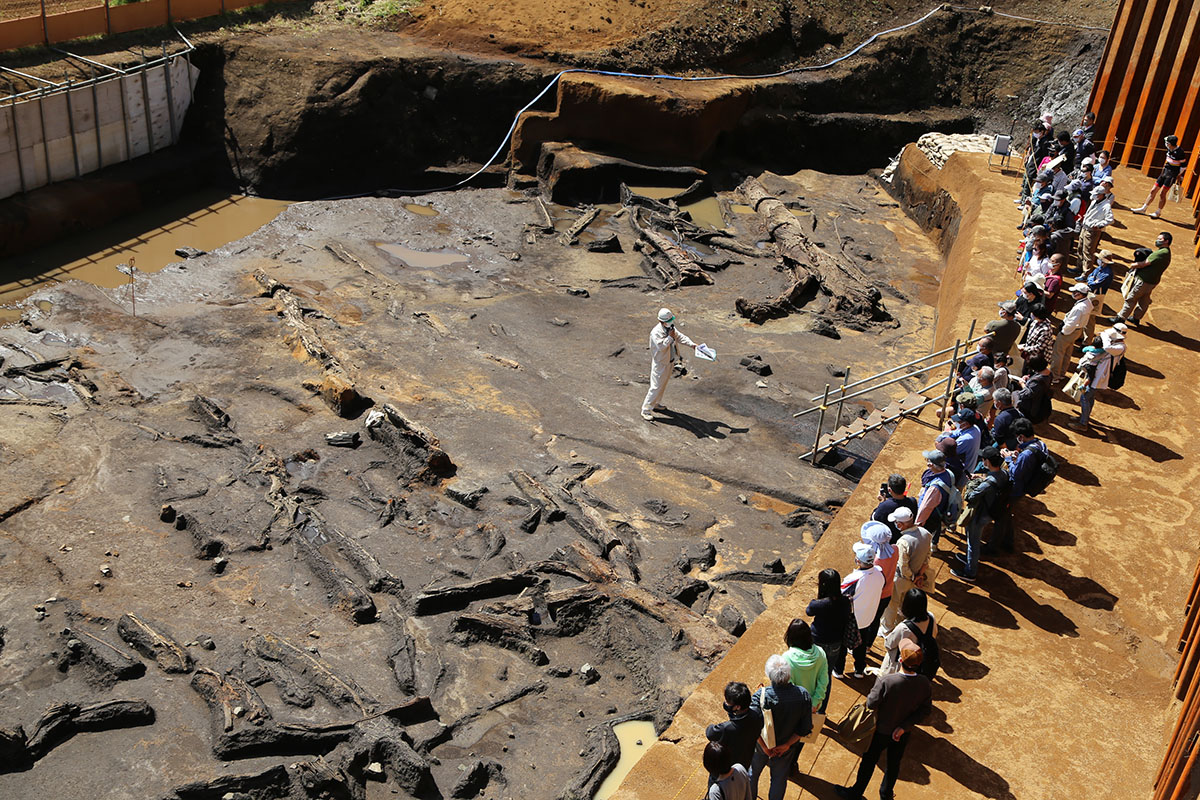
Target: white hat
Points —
{"points": [[1080, 288], [901, 514], [864, 553], [665, 315]]}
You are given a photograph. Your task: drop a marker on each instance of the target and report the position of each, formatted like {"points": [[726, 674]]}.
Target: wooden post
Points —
{"points": [[71, 126], [170, 96], [837, 419], [820, 424]]}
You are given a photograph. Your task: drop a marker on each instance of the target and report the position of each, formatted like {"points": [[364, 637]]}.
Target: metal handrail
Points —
{"points": [[944, 350], [870, 389], [850, 437]]}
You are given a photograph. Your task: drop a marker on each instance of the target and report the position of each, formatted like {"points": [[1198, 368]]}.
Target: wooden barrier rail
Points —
{"points": [[105, 18]]}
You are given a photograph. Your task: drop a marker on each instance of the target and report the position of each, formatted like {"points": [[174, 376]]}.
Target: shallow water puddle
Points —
{"points": [[635, 737], [424, 211], [705, 212], [422, 259], [203, 220]]}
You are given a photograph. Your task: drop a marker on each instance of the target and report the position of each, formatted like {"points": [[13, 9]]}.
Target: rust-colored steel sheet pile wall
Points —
{"points": [[1148, 86]]}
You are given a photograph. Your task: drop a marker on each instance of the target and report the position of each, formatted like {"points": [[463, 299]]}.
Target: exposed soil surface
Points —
{"points": [[296, 589]]}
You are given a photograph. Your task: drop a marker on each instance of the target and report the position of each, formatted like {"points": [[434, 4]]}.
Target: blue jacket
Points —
{"points": [[1021, 467], [1100, 278], [791, 707]]}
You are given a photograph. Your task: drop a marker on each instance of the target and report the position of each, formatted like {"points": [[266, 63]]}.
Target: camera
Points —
{"points": [[883, 491]]}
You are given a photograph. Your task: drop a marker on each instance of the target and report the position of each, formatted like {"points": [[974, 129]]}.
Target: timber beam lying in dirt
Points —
{"points": [[62, 721], [849, 296]]}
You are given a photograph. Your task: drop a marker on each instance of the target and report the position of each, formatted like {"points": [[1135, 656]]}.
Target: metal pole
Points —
{"points": [[950, 379], [107, 19], [146, 109], [122, 85], [45, 138], [837, 419], [12, 109], [96, 123], [870, 389], [45, 31], [167, 81], [820, 424], [71, 125], [914, 362]]}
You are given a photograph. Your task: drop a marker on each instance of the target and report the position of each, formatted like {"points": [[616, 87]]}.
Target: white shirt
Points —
{"points": [[1077, 316], [1099, 213], [867, 591], [661, 345]]}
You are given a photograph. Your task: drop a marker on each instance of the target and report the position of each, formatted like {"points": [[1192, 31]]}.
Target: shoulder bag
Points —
{"points": [[768, 730], [858, 726]]}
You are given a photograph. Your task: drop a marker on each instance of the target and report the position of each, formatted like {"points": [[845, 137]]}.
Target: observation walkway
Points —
{"points": [[1058, 662]]}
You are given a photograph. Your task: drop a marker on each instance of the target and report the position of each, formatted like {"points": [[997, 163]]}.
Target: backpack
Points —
{"points": [[1116, 376], [951, 503], [1043, 472], [931, 659]]}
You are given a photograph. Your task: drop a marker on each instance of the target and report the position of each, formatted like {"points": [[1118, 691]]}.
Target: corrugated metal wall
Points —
{"points": [[1149, 86]]}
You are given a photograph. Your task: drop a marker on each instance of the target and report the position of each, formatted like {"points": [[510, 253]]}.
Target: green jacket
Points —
{"points": [[810, 671]]}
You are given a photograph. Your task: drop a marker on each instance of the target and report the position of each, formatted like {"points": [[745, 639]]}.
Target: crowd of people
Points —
{"points": [[980, 469]]}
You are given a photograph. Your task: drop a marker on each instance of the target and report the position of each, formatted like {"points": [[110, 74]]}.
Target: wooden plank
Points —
{"points": [[1106, 89], [1152, 97]]}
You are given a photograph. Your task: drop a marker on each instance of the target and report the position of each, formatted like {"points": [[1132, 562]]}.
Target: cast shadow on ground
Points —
{"points": [[1076, 474], [1049, 533], [1003, 601], [1080, 589], [700, 428], [1144, 371], [1170, 337], [926, 753], [1153, 450], [1117, 400]]}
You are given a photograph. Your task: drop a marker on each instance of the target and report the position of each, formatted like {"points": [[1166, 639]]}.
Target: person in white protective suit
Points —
{"points": [[664, 351]]}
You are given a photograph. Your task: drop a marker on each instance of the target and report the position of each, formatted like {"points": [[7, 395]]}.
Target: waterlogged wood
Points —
{"points": [[500, 631], [309, 670], [848, 294], [153, 642], [683, 270], [572, 233]]}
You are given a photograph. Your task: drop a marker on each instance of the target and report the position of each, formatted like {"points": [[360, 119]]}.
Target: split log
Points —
{"points": [[153, 642], [529, 603], [207, 546], [682, 269], [776, 578], [63, 720], [213, 415], [500, 631], [231, 703], [539, 495], [269, 285], [105, 664], [377, 578], [407, 768], [403, 662], [343, 592], [298, 667], [848, 294], [547, 220], [272, 782], [447, 731], [572, 233], [422, 459], [281, 739], [450, 598]]}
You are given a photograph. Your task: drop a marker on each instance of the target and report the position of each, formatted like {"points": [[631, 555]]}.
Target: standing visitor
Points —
{"points": [[989, 503], [740, 732], [831, 612], [810, 667], [729, 780], [934, 500], [1172, 167], [864, 587], [915, 546], [1097, 217], [791, 708], [1072, 326], [1147, 275], [664, 352], [1099, 359], [901, 701]]}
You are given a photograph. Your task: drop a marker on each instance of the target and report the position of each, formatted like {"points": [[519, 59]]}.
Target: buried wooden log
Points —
{"points": [[366, 565], [231, 702], [211, 413], [104, 663], [572, 233], [450, 598], [541, 496], [272, 782], [682, 269], [61, 721], [447, 731], [421, 457], [500, 631], [207, 546], [294, 665], [343, 593], [403, 662], [153, 642], [846, 290]]}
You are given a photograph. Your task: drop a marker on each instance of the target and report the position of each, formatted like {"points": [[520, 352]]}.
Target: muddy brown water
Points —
{"points": [[204, 220], [635, 738]]}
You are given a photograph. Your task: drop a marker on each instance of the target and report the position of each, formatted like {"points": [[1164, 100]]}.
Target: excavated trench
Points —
{"points": [[362, 505]]}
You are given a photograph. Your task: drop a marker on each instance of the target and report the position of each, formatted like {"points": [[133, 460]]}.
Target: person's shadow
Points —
{"points": [[702, 429]]}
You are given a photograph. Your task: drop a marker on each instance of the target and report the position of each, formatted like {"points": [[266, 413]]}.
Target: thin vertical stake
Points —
{"points": [[837, 420], [950, 378], [45, 138], [71, 124], [820, 424], [170, 98], [96, 123]]}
